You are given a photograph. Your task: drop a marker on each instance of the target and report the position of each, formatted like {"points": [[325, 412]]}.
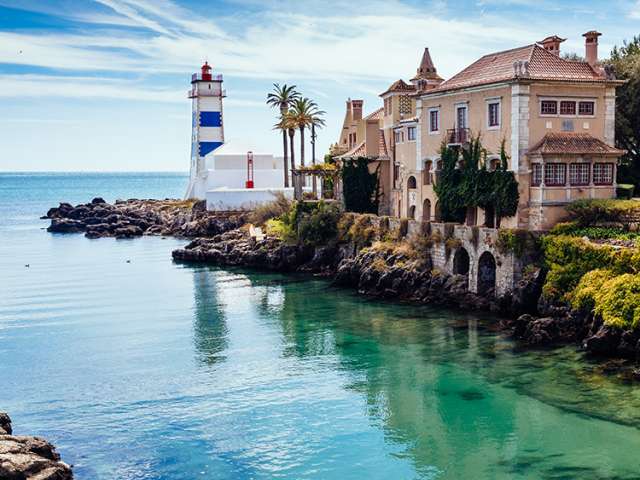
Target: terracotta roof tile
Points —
{"points": [[358, 151], [542, 65], [375, 115], [399, 86], [572, 144]]}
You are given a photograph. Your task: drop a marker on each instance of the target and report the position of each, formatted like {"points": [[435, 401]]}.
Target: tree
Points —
{"points": [[282, 98], [301, 111], [625, 62], [360, 187]]}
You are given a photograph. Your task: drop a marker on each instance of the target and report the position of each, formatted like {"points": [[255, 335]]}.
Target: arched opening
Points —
{"points": [[426, 210], [426, 172], [412, 212], [461, 262], [437, 213], [412, 183], [486, 274], [493, 163]]}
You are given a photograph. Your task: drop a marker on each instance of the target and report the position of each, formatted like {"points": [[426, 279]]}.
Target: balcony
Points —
{"points": [[193, 93], [197, 77], [457, 136]]}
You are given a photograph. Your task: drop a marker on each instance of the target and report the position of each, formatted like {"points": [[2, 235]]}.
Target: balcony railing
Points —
{"points": [[205, 93], [457, 136], [210, 78]]}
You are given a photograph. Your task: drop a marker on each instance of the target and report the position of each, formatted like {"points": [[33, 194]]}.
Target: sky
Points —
{"points": [[101, 85]]}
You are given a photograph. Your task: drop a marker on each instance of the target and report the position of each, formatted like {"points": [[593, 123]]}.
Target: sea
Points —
{"points": [[138, 367]]}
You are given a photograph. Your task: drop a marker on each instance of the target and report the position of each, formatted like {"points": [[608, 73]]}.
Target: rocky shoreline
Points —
{"points": [[221, 239], [134, 218], [27, 457], [397, 276]]}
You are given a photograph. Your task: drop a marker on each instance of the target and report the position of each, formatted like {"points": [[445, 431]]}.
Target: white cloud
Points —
{"points": [[635, 10]]}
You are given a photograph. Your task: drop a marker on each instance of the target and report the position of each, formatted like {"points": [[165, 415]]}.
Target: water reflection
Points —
{"points": [[455, 399], [210, 325]]}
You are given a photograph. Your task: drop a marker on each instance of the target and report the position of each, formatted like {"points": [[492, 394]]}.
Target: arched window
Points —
{"points": [[412, 212], [412, 183], [437, 213], [426, 210], [426, 172]]}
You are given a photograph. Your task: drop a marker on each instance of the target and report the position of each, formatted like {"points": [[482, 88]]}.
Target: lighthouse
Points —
{"points": [[207, 130]]}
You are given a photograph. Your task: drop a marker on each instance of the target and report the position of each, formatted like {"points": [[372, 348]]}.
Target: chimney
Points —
{"points": [[591, 47], [356, 106], [552, 44]]}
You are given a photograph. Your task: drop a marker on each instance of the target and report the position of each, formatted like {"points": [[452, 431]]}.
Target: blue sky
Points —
{"points": [[101, 84]]}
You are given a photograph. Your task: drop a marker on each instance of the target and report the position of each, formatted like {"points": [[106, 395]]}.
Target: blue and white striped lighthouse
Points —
{"points": [[207, 131]]}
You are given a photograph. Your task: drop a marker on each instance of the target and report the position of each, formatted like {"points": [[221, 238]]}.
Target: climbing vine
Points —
{"points": [[465, 182], [360, 187]]}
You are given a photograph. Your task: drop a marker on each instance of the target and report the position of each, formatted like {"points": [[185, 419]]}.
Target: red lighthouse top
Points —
{"points": [[206, 71]]}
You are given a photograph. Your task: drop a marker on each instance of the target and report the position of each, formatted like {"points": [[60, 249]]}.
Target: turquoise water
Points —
{"points": [[155, 370]]}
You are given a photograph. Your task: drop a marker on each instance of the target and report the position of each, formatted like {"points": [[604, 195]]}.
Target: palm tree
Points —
{"points": [[302, 113], [282, 98], [316, 122]]}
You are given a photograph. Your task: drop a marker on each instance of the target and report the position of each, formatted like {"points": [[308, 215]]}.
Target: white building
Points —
{"points": [[218, 174]]}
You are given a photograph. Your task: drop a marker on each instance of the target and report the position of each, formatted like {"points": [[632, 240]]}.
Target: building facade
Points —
{"points": [[555, 117]]}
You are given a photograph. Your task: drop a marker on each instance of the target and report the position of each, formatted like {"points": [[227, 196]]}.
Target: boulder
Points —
{"points": [[5, 424], [604, 342], [66, 225], [29, 458]]}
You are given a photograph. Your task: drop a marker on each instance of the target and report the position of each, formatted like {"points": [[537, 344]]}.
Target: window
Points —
{"points": [[579, 173], [548, 107], [536, 174], [398, 137], [411, 133], [555, 174], [493, 114], [567, 107], [396, 174], [603, 173], [586, 108], [434, 120], [426, 173]]}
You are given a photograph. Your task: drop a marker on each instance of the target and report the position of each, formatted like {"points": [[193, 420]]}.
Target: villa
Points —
{"points": [[556, 118]]}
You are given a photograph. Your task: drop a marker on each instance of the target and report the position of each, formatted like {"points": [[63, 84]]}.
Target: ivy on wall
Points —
{"points": [[465, 182], [360, 187]]}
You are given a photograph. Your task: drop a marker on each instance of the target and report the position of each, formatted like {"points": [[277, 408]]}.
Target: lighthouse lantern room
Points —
{"points": [[207, 129]]}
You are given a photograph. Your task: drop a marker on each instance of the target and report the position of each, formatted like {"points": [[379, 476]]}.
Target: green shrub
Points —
{"points": [[275, 208], [277, 228], [319, 225], [625, 190], [590, 285], [591, 212], [618, 301], [569, 258], [515, 240]]}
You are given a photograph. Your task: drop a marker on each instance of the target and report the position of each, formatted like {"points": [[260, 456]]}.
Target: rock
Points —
{"points": [[29, 458], [153, 217], [5, 424], [66, 225], [604, 342]]}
